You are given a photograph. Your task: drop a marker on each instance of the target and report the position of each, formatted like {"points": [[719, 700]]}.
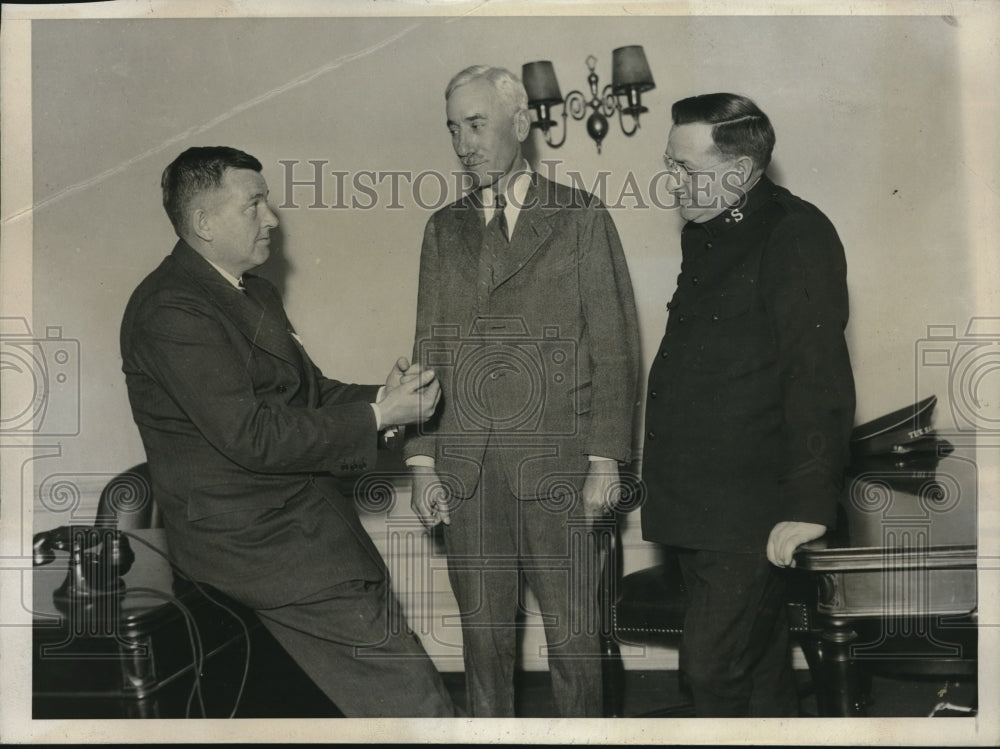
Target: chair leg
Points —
{"points": [[613, 676], [813, 652]]}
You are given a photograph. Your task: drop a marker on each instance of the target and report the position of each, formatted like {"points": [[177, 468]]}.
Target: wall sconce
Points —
{"points": [[630, 78]]}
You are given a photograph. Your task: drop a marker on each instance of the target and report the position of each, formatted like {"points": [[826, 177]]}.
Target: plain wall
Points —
{"points": [[867, 110]]}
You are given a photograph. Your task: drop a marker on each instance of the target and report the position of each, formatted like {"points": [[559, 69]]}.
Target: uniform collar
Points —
{"points": [[758, 195]]}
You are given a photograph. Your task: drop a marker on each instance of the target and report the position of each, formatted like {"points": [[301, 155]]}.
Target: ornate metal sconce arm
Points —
{"points": [[576, 105], [614, 104]]}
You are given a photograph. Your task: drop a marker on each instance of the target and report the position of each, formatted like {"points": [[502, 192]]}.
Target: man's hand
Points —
{"points": [[429, 498], [786, 537], [601, 488], [396, 373], [411, 394]]}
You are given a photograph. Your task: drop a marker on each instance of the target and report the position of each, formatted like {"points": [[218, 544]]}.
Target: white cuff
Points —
{"points": [[378, 417], [422, 461]]}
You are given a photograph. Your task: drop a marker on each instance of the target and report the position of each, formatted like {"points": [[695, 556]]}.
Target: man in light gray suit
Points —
{"points": [[525, 311]]}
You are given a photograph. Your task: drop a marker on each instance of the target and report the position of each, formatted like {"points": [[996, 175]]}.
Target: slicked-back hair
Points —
{"points": [[195, 171], [740, 128], [507, 85]]}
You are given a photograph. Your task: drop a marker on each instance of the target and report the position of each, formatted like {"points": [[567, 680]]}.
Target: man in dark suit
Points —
{"points": [[750, 402], [242, 433], [525, 309]]}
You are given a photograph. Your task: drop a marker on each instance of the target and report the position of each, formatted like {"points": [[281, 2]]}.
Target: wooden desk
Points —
{"points": [[897, 585]]}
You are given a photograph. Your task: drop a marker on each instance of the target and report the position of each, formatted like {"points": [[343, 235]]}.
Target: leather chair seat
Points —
{"points": [[650, 605]]}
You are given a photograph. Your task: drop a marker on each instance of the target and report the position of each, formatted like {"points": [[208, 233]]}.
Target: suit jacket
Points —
{"points": [[242, 432], [537, 355]]}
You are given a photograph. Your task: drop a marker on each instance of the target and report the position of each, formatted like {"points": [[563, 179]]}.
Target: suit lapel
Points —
{"points": [[531, 230], [258, 314], [273, 332]]}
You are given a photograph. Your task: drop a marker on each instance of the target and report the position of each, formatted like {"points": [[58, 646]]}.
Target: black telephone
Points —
{"points": [[91, 573]]}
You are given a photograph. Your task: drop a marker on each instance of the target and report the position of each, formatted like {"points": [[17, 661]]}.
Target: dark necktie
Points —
{"points": [[499, 220]]}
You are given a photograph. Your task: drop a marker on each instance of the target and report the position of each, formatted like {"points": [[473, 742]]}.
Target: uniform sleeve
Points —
{"points": [[803, 278], [612, 329], [180, 343]]}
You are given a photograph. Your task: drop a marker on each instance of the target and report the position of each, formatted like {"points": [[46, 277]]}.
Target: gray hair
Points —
{"points": [[507, 85]]}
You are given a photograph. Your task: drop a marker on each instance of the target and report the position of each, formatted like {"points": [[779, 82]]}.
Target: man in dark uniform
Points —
{"points": [[750, 402]]}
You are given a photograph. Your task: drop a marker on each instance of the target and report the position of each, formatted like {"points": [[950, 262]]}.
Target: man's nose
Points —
{"points": [[270, 218], [463, 145], [675, 183]]}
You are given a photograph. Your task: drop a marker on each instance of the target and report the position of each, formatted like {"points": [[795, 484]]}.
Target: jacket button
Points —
{"points": [[651, 435], [652, 394], [663, 354], [715, 318], [680, 319], [281, 388], [695, 280], [708, 245]]}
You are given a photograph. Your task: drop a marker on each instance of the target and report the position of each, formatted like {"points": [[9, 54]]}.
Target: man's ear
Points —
{"points": [[201, 224], [745, 166], [522, 125]]}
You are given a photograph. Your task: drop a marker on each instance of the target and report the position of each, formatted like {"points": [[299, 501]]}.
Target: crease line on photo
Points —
{"points": [[298, 82]]}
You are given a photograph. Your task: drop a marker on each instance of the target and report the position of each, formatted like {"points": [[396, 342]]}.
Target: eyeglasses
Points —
{"points": [[682, 172]]}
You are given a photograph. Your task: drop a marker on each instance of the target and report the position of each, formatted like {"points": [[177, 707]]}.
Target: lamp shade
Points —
{"points": [[540, 82], [629, 70]]}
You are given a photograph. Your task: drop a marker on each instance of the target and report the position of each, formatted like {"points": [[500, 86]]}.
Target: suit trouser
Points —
{"points": [[735, 650], [353, 641], [492, 540]]}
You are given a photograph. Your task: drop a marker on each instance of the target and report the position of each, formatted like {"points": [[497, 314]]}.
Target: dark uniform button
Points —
{"points": [[680, 319], [652, 394], [708, 245], [715, 318], [663, 354], [282, 388], [695, 280], [651, 435]]}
